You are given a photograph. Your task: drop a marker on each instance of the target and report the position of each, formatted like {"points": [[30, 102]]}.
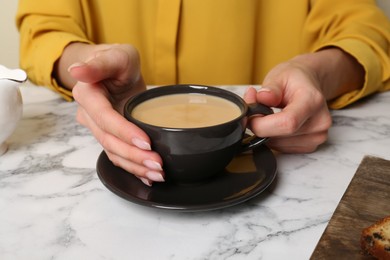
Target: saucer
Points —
{"points": [[248, 175]]}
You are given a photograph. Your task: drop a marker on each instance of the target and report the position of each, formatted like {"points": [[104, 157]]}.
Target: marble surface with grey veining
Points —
{"points": [[53, 205]]}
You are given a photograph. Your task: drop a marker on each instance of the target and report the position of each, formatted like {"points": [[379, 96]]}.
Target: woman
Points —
{"points": [[306, 55]]}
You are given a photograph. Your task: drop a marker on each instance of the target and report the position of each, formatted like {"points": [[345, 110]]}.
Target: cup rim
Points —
{"points": [[183, 88]]}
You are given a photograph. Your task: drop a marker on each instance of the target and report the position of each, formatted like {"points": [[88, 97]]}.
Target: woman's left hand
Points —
{"points": [[304, 120]]}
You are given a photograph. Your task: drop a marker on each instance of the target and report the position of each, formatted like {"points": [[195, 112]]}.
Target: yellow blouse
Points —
{"points": [[216, 42]]}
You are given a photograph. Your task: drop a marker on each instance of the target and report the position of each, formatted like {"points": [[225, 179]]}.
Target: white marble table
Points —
{"points": [[53, 206]]}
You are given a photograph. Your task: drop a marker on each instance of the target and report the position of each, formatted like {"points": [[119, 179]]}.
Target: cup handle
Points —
{"points": [[254, 141]]}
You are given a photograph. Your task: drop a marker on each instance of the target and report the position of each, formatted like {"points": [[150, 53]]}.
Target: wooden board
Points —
{"points": [[366, 200]]}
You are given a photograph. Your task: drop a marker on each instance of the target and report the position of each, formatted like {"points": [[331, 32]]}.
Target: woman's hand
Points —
{"points": [[300, 88], [105, 78], [303, 123]]}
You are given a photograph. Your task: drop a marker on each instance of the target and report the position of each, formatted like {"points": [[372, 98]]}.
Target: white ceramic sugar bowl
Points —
{"points": [[11, 104]]}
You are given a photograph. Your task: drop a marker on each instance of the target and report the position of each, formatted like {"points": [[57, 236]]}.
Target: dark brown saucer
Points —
{"points": [[245, 177]]}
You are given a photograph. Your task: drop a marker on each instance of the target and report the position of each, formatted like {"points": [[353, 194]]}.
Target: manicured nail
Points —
{"points": [[146, 181], [141, 144], [154, 176], [75, 65], [153, 165]]}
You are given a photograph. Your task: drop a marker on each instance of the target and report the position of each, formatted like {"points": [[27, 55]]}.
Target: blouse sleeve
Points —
{"points": [[46, 27], [359, 28]]}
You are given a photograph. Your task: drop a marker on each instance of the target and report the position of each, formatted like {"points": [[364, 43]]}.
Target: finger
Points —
{"points": [[250, 95], [301, 107], [116, 146], [318, 122], [117, 63], [143, 164], [298, 144], [288, 122], [269, 96], [139, 171], [265, 95], [94, 101], [278, 124]]}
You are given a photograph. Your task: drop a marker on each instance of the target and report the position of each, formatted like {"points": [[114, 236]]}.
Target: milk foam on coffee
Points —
{"points": [[189, 110]]}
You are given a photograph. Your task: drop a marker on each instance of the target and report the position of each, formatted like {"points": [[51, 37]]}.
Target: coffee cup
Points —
{"points": [[196, 129]]}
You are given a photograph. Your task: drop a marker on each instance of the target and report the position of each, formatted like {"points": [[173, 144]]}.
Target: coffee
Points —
{"points": [[188, 110], [174, 117]]}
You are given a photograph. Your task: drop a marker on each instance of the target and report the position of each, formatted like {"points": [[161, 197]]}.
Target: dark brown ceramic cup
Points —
{"points": [[195, 154]]}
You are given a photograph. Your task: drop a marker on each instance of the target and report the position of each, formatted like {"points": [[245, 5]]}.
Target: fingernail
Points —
{"points": [[262, 89], [154, 176], [153, 165], [146, 181], [75, 65], [141, 144]]}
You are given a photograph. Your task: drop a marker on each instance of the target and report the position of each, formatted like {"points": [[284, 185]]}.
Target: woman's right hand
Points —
{"points": [[105, 77]]}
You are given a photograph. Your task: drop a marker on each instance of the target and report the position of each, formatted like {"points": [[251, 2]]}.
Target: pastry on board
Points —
{"points": [[375, 239]]}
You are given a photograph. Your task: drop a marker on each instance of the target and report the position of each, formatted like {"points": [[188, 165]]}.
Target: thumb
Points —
{"points": [[113, 63], [269, 95]]}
